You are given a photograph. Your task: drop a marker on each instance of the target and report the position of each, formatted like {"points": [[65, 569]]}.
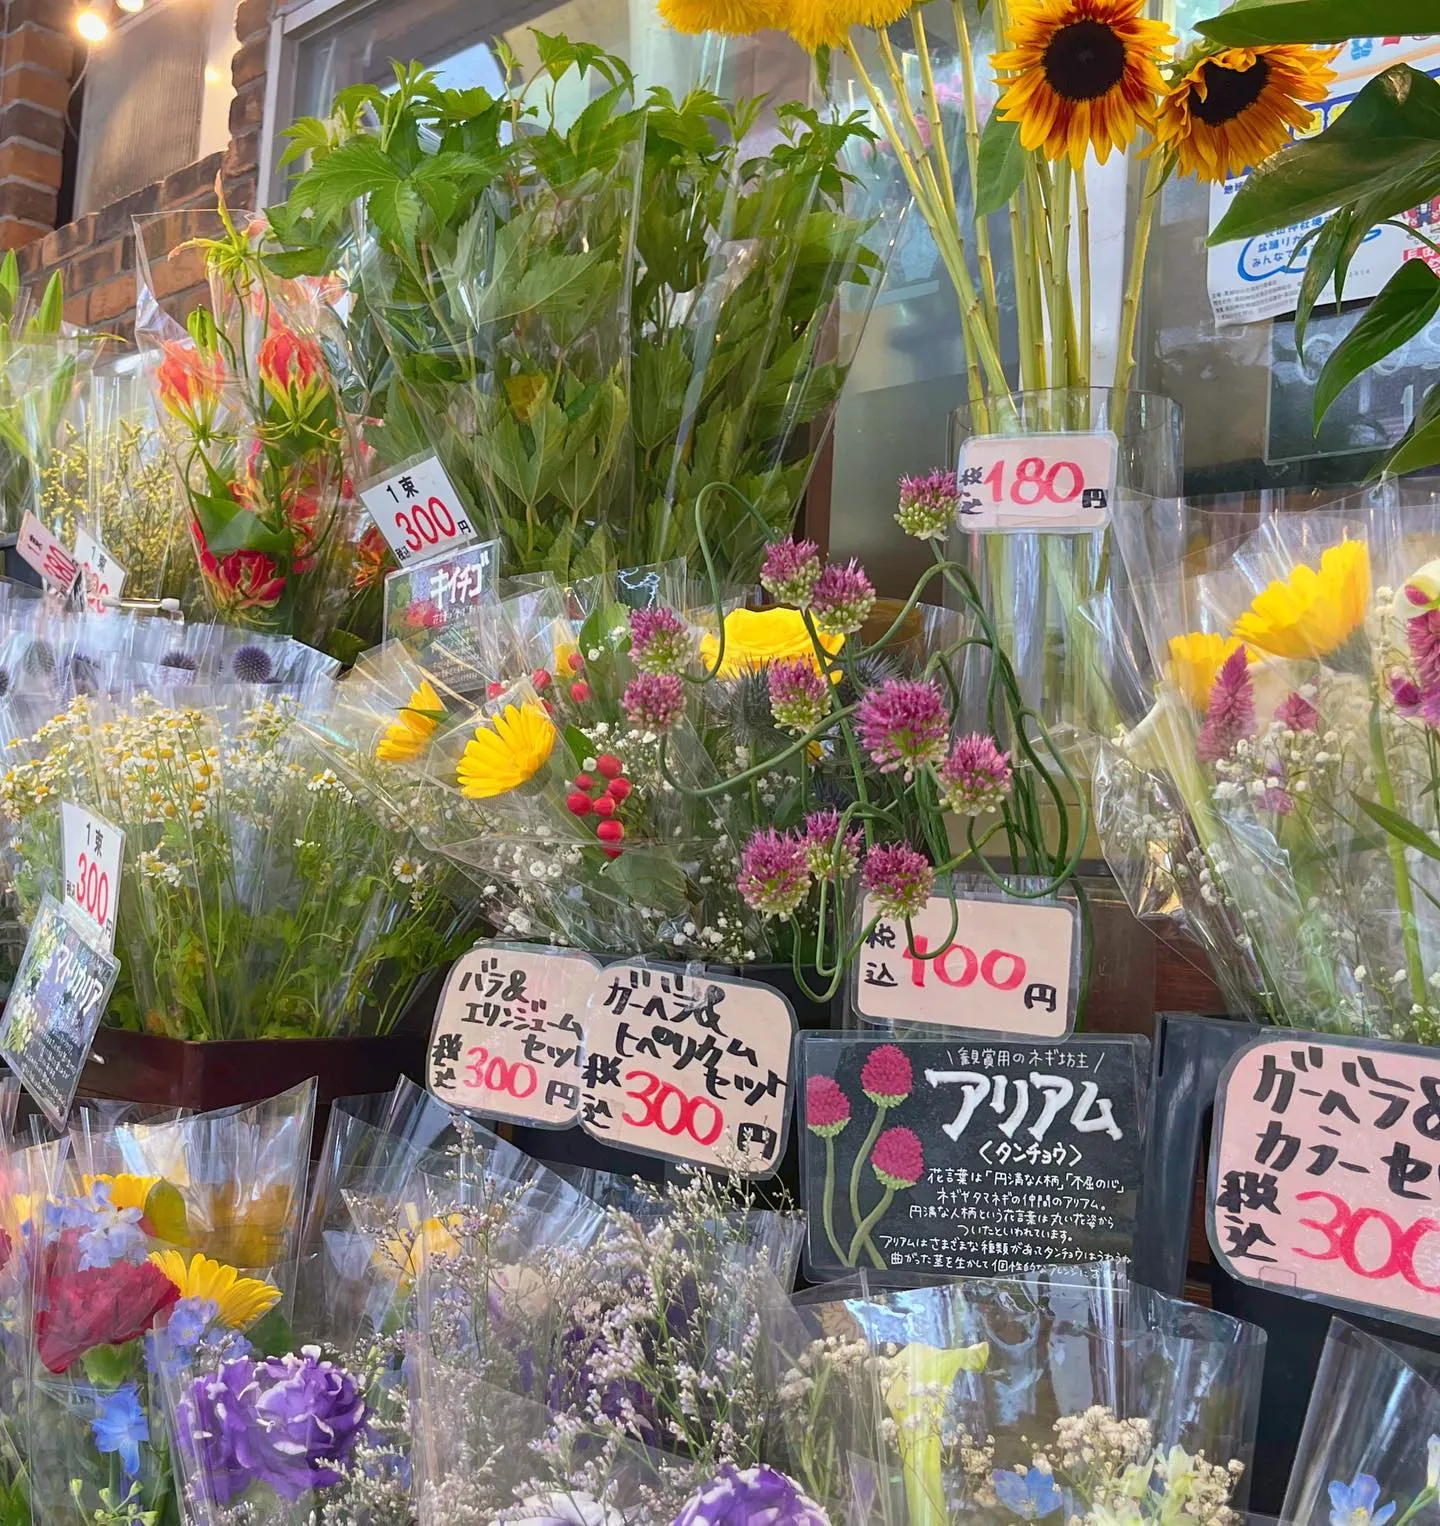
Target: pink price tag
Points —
{"points": [[418, 512], [986, 965], [1325, 1172], [1059, 482], [46, 555]]}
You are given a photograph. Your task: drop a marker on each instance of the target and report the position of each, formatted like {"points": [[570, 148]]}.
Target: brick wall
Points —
{"points": [[96, 253], [39, 62]]}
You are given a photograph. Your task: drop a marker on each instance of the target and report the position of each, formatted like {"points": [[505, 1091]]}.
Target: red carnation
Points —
{"points": [[7, 1247], [887, 1077], [104, 1306], [827, 1108], [898, 1159]]}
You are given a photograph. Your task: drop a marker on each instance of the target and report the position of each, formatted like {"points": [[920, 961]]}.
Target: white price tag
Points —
{"points": [[46, 555], [104, 576], [418, 512], [92, 849], [1058, 482]]}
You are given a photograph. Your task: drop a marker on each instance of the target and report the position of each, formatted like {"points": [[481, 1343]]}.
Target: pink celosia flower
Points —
{"points": [[928, 505], [886, 1077], [898, 1158], [975, 778], [827, 1108], [827, 853], [774, 878], [798, 694], [654, 701], [1231, 716], [1406, 694], [1423, 634], [842, 600], [1297, 713], [791, 571], [899, 878], [659, 640], [904, 724]]}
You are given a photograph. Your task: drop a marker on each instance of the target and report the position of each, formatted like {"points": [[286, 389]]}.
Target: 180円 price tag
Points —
{"points": [[1060, 482]]}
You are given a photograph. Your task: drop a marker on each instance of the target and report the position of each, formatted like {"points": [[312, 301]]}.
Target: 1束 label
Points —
{"points": [[1060, 482], [419, 512], [93, 849], [104, 577]]}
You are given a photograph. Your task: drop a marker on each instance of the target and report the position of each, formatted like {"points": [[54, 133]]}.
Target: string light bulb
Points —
{"points": [[131, 7], [91, 24]]}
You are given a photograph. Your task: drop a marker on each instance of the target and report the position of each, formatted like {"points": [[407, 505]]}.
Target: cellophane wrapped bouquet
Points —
{"points": [[592, 318], [147, 1239], [1293, 737], [263, 446]]}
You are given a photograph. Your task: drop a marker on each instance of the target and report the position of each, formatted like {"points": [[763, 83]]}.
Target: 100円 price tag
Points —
{"points": [[1062, 482], [418, 511], [93, 849]]}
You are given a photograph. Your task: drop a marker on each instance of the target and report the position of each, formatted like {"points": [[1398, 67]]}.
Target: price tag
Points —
{"points": [[104, 576], [1003, 966], [55, 1006], [1323, 1168], [419, 512], [1058, 482], [693, 1067], [92, 849], [46, 555], [508, 1033]]}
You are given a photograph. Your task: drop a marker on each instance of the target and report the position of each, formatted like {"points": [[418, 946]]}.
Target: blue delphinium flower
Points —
{"points": [[115, 1236], [1353, 1504], [1028, 1492], [120, 1425]]}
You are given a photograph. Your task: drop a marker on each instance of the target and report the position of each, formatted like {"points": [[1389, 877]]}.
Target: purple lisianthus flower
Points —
{"points": [[791, 571], [758, 1496], [659, 640], [571, 1507], [842, 600], [904, 724], [120, 1425], [774, 876]]}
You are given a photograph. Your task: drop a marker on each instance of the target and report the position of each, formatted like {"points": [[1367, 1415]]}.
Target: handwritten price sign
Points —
{"points": [[46, 555], [507, 1038], [92, 849], [1057, 482], [418, 512], [104, 577], [1325, 1172], [1002, 966], [691, 1067]]}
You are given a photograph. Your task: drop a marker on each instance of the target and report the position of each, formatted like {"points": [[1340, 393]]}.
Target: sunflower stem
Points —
{"points": [[1156, 174], [972, 158], [1084, 358], [932, 114]]}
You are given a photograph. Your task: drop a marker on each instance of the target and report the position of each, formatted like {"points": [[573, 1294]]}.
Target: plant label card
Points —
{"points": [[429, 605], [46, 555], [55, 1006], [1325, 1173], [418, 511], [1003, 966], [1060, 482], [967, 1158], [508, 1035], [688, 1066], [93, 850], [104, 577]]}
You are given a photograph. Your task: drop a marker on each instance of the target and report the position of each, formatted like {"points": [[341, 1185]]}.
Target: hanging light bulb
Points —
{"points": [[131, 7], [91, 24]]}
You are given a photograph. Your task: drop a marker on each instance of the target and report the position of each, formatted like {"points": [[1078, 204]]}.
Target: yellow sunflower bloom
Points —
{"points": [[126, 1191], [1080, 74], [505, 751], [1311, 613], [731, 18], [408, 735], [755, 638], [1236, 108], [240, 1300], [1195, 659]]}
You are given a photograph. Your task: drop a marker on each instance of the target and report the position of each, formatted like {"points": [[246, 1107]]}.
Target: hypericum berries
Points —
{"points": [[600, 798], [579, 691], [608, 766], [610, 831]]}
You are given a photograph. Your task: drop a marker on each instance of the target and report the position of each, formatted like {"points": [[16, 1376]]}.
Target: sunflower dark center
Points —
{"points": [[1228, 92], [1084, 60]]}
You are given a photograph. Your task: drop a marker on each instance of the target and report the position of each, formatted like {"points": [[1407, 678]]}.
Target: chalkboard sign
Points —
{"points": [[969, 1157]]}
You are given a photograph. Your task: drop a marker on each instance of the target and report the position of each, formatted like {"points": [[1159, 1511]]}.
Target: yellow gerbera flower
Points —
{"points": [[732, 18], [1195, 659], [126, 1191], [408, 735], [1080, 74], [1311, 613], [505, 751], [756, 637], [430, 1237], [240, 1300], [1235, 108]]}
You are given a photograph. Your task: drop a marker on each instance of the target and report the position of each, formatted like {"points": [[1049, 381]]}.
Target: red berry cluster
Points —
{"points": [[579, 690], [614, 789]]}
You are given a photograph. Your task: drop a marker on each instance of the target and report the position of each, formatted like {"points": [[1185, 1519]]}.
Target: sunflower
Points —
{"points": [[754, 638], [1233, 109], [1080, 74], [731, 18], [1195, 660], [1312, 612], [240, 1300], [408, 735], [505, 751], [126, 1191]]}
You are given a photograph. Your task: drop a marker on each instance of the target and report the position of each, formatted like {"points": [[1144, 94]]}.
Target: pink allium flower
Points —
{"points": [[827, 1108], [899, 878], [654, 701], [886, 1077], [904, 724], [828, 854], [1297, 713], [798, 697], [928, 505], [791, 571], [1231, 716], [842, 600], [774, 878], [1406, 694], [898, 1158], [975, 778], [659, 640]]}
